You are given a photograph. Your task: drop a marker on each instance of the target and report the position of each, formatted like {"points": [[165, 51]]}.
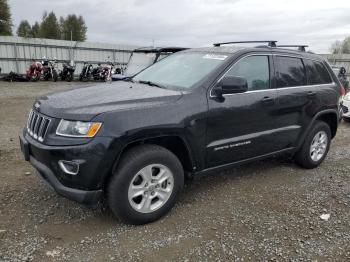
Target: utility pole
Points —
{"points": [[71, 46]]}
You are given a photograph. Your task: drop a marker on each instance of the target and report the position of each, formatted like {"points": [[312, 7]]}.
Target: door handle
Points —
{"points": [[268, 100], [311, 94]]}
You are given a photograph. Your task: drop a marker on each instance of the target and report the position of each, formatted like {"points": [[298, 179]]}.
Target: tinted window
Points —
{"points": [[290, 72], [316, 73], [255, 69]]}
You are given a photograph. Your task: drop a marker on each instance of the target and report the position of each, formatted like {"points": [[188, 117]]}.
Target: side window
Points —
{"points": [[290, 71], [316, 73], [255, 69]]}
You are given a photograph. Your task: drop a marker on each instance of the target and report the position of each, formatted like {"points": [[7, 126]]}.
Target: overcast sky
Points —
{"points": [[196, 23]]}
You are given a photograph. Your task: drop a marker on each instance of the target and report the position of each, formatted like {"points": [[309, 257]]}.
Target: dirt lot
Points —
{"points": [[268, 210]]}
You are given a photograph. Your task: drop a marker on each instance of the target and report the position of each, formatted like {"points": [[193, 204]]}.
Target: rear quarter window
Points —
{"points": [[316, 73]]}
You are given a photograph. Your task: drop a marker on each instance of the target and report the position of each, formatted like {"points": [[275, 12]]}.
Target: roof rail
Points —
{"points": [[271, 43], [301, 48]]}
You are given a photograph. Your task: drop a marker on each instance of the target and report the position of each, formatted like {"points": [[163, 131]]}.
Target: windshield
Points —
{"points": [[182, 70], [138, 62]]}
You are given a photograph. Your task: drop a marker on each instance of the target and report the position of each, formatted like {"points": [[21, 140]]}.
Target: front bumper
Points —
{"points": [[95, 163]]}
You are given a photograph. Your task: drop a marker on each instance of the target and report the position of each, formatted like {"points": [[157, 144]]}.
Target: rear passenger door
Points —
{"points": [[295, 98]]}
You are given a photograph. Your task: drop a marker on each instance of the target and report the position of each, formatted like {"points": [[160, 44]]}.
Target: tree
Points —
{"points": [[5, 18], [341, 47], [36, 30], [73, 26], [24, 29], [49, 27]]}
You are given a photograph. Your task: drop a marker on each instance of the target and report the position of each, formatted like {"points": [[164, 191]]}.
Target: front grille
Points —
{"points": [[37, 125]]}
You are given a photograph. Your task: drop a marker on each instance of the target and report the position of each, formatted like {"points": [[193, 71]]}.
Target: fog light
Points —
{"points": [[69, 167]]}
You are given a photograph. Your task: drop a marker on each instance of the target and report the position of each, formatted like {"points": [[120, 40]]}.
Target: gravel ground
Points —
{"points": [[269, 210]]}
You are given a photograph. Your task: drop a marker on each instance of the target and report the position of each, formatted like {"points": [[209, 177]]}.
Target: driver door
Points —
{"points": [[241, 126]]}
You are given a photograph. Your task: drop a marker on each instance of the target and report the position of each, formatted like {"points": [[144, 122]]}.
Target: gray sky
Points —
{"points": [[196, 23]]}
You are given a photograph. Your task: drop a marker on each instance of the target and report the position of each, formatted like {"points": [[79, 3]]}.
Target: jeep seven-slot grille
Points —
{"points": [[37, 125]]}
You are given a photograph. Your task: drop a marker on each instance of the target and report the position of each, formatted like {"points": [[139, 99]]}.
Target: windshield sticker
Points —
{"points": [[216, 57]]}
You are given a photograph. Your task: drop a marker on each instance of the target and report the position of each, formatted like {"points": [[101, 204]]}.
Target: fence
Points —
{"points": [[339, 60], [16, 53]]}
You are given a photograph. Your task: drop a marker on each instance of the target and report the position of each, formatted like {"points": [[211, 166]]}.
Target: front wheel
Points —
{"points": [[315, 147], [145, 185]]}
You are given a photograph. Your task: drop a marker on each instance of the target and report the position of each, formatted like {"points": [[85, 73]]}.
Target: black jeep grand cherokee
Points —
{"points": [[196, 111]]}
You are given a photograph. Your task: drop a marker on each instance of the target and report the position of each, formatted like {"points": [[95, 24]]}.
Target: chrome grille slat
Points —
{"points": [[40, 130], [33, 123], [37, 125]]}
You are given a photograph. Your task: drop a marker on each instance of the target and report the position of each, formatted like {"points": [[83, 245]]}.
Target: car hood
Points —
{"points": [[86, 102]]}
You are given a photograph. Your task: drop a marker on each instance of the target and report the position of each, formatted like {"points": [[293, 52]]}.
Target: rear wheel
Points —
{"points": [[69, 77], [315, 147], [145, 185], [54, 75]]}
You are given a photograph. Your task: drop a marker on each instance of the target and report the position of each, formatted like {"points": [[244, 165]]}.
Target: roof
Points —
{"points": [[232, 49]]}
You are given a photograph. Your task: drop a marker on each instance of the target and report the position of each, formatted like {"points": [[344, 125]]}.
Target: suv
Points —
{"points": [[143, 57], [133, 142]]}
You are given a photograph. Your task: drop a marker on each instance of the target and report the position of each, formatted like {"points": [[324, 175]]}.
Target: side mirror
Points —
{"points": [[231, 85]]}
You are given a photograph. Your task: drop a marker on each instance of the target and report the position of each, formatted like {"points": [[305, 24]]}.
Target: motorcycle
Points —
{"points": [[34, 71], [86, 72], [49, 71], [12, 77], [106, 72], [67, 73], [96, 72]]}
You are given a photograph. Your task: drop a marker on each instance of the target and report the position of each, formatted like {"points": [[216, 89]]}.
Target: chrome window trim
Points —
{"points": [[249, 55], [270, 89]]}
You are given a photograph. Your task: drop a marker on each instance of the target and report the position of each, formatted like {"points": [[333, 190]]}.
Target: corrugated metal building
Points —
{"points": [[16, 53]]}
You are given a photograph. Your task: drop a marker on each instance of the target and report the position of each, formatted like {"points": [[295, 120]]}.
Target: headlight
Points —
{"points": [[77, 128], [347, 97]]}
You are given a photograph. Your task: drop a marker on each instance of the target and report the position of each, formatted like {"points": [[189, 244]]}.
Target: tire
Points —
{"points": [[130, 174], [70, 77], [309, 160], [54, 76], [35, 78]]}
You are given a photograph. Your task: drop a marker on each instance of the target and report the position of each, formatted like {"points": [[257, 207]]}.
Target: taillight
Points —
{"points": [[342, 91]]}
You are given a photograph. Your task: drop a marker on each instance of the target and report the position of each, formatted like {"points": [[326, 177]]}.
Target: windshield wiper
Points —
{"points": [[150, 83]]}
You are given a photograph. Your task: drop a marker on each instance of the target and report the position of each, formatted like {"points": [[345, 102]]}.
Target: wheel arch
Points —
{"points": [[329, 116], [174, 143]]}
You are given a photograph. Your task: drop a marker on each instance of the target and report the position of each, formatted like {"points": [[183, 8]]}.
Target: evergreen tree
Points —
{"points": [[36, 30], [49, 27], [5, 18], [73, 26], [24, 29]]}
